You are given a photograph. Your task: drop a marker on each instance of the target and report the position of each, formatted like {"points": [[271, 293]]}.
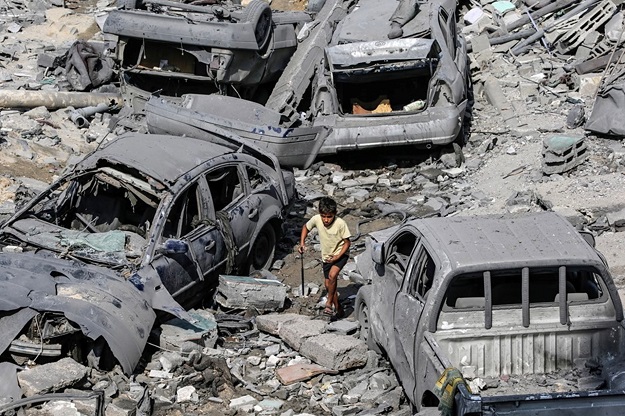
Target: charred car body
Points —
{"points": [[144, 223], [490, 297], [347, 86], [177, 48]]}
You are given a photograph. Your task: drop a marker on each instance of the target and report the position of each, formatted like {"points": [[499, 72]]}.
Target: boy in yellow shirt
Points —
{"points": [[334, 238]]}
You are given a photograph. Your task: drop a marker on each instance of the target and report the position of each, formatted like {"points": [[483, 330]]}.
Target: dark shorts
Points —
{"points": [[340, 263]]}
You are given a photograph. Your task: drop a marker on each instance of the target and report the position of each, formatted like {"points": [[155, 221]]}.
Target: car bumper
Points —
{"points": [[435, 126]]}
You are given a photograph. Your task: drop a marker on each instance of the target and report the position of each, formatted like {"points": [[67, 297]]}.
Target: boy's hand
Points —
{"points": [[301, 249], [330, 259]]}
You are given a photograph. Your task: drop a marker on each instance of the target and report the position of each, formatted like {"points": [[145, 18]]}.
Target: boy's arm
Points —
{"points": [[341, 253], [302, 239]]}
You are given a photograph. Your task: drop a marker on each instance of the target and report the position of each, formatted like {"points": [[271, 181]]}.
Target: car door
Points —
{"points": [[232, 194], [396, 260], [408, 306], [190, 220]]}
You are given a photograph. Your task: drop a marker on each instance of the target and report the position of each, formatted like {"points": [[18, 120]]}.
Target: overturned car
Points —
{"points": [[348, 86], [177, 48], [144, 223]]}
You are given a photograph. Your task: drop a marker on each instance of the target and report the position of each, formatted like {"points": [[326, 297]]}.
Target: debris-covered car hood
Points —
{"points": [[101, 303]]}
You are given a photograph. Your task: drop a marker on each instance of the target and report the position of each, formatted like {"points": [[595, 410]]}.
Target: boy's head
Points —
{"points": [[327, 210]]}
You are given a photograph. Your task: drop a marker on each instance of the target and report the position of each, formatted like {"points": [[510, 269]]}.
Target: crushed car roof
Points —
{"points": [[145, 152], [504, 241]]}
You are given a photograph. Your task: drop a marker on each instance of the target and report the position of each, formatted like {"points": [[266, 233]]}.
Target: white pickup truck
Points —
{"points": [[449, 299]]}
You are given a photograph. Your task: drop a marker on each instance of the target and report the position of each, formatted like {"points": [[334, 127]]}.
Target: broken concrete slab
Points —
{"points": [[295, 333], [301, 372], [51, 377], [273, 322], [343, 327], [182, 336], [338, 352], [242, 292]]}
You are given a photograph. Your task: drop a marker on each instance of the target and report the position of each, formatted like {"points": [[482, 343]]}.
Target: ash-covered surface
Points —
{"points": [[520, 103]]}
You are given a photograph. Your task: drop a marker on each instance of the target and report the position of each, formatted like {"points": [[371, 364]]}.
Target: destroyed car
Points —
{"points": [[458, 299], [144, 223], [177, 48], [375, 91], [347, 86]]}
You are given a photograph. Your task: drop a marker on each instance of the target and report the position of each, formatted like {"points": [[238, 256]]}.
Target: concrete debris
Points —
{"points": [[530, 81], [300, 372], [241, 292], [338, 352], [272, 323], [51, 377], [182, 336], [563, 153]]}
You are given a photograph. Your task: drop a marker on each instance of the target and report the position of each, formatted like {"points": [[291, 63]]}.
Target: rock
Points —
{"points": [[121, 406], [270, 405], [338, 352], [51, 377], [242, 401], [187, 394], [273, 349]]}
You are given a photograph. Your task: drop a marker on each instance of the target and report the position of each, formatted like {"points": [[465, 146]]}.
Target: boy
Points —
{"points": [[334, 237]]}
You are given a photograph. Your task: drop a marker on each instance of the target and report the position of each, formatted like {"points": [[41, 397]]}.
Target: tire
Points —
{"points": [[365, 327], [259, 13], [263, 249]]}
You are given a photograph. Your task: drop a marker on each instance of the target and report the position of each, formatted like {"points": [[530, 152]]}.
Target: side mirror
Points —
{"points": [[590, 239], [377, 253], [173, 246]]}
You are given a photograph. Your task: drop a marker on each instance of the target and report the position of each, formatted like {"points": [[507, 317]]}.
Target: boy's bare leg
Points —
{"points": [[333, 297], [326, 283]]}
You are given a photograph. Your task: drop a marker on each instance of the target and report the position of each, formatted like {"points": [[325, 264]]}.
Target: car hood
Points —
{"points": [[100, 302]]}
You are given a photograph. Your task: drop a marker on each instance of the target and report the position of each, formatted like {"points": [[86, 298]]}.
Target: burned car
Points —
{"points": [[458, 299], [178, 48], [144, 223], [348, 86]]}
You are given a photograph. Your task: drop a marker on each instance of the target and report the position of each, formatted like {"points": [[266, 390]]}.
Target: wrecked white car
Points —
{"points": [[348, 86], [459, 299], [144, 223], [177, 48]]}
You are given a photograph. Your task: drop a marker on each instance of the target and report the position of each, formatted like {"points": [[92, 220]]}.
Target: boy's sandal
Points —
{"points": [[328, 312]]}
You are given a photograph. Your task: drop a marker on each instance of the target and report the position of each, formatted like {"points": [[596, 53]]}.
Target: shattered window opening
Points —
{"points": [[399, 255], [467, 291], [258, 181], [225, 186], [422, 276], [184, 214]]}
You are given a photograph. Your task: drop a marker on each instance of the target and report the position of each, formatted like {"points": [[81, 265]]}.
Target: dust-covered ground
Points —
{"points": [[501, 172]]}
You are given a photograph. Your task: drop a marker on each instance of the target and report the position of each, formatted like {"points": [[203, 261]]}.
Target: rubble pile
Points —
{"points": [[539, 70], [257, 374]]}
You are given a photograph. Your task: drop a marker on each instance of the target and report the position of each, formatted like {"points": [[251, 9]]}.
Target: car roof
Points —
{"points": [[543, 239], [162, 157]]}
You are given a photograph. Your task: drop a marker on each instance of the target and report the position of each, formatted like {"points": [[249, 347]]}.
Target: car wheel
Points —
{"points": [[259, 13], [263, 249], [365, 328]]}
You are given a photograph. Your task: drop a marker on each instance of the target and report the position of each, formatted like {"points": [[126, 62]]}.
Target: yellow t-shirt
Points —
{"points": [[331, 238]]}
